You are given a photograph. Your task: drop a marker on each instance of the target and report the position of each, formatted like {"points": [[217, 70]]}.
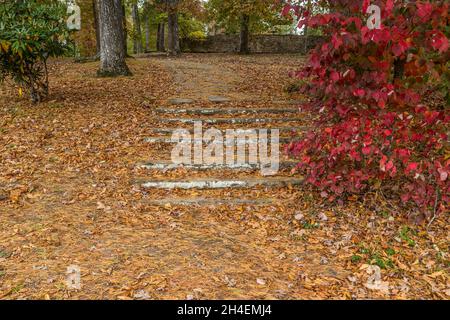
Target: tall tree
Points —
{"points": [[173, 36], [244, 34], [160, 39], [125, 28], [171, 7], [147, 32], [149, 14], [95, 7], [245, 17], [137, 31], [173, 28], [112, 56], [174, 9]]}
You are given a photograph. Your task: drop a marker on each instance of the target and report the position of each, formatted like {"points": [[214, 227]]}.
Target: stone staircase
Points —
{"points": [[200, 183]]}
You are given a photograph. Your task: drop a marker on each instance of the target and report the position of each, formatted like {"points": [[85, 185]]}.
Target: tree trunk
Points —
{"points": [[147, 33], [125, 29], [174, 41], [95, 7], [160, 41], [137, 33], [305, 32], [305, 40], [244, 36], [158, 35], [163, 37], [112, 55]]}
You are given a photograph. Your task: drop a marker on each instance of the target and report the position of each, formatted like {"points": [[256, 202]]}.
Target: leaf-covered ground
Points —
{"points": [[68, 197]]}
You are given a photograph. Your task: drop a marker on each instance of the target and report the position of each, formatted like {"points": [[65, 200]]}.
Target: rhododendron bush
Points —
{"points": [[381, 96]]}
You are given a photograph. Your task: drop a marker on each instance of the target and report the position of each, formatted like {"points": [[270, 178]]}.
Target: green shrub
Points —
{"points": [[197, 35], [31, 31], [190, 27]]}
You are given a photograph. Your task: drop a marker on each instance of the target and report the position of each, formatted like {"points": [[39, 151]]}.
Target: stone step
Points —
{"points": [[211, 183], [288, 102], [229, 111], [198, 201], [221, 99], [229, 120], [218, 99], [282, 130], [168, 165], [177, 101], [168, 139]]}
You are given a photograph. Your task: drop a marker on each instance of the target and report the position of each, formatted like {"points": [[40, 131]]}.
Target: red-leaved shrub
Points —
{"points": [[382, 125]]}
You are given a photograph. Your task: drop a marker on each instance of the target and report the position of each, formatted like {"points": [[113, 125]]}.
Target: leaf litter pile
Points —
{"points": [[68, 196]]}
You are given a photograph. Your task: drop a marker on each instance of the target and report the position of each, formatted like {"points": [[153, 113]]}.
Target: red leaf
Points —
{"points": [[443, 174], [399, 48], [412, 166], [359, 92], [424, 10], [389, 6], [336, 41], [334, 76], [389, 165], [365, 5], [405, 197], [439, 42], [367, 150]]}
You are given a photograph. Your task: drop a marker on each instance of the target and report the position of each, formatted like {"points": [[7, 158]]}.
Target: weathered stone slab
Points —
{"points": [[229, 111], [288, 102], [230, 120], [180, 101], [220, 183], [237, 141], [167, 165], [210, 202], [282, 129], [218, 99]]}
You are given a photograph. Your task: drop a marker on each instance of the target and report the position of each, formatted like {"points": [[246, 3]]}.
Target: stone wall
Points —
{"points": [[258, 44]]}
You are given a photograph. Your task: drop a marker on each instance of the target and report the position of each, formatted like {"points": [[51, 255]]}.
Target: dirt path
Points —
{"points": [[68, 196], [201, 76], [200, 80]]}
